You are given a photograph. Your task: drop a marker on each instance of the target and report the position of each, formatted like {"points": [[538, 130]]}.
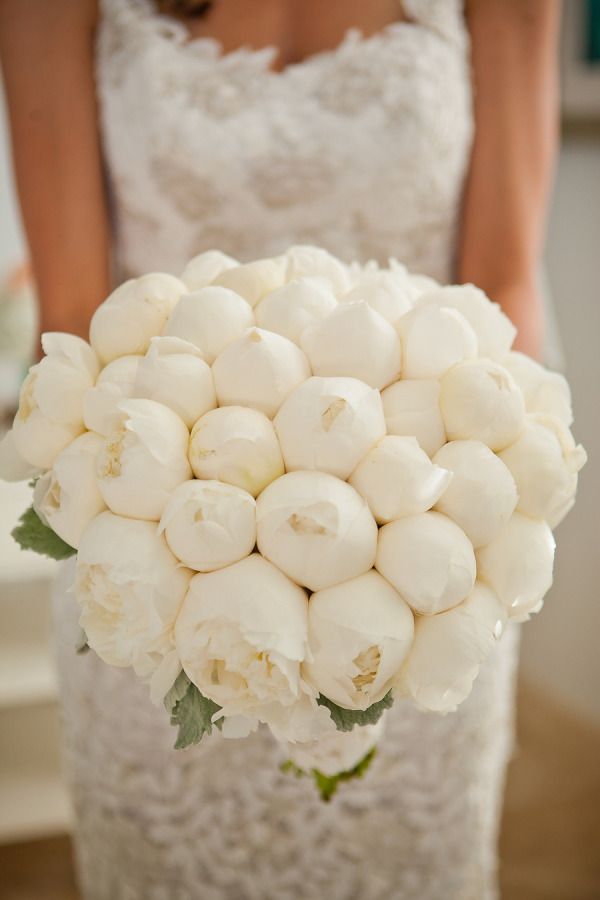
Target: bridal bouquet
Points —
{"points": [[297, 490]]}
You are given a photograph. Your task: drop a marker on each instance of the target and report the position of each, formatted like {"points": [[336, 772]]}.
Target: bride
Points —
{"points": [[145, 132]]}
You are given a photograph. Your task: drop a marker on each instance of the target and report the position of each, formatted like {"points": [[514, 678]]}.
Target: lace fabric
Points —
{"points": [[362, 149]]}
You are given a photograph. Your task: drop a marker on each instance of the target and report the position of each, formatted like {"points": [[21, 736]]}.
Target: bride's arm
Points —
{"points": [[46, 50], [515, 83]]}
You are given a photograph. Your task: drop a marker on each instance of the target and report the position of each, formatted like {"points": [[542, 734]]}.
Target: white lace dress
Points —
{"points": [[363, 150]]}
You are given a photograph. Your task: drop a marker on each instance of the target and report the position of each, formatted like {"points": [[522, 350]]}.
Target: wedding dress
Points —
{"points": [[362, 149]]}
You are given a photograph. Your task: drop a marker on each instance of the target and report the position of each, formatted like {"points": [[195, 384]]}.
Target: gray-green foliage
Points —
{"points": [[32, 534], [346, 719], [190, 711]]}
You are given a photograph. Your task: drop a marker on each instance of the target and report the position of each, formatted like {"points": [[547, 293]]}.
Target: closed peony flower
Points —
{"points": [[204, 268], [482, 495], [517, 565], [543, 391], [355, 341], [238, 446], [329, 424], [315, 528], [305, 259], [288, 310], [259, 370], [67, 497], [434, 338], [398, 479], [114, 383], [428, 559], [337, 751], [388, 293], [211, 319], [143, 460], [209, 524], [13, 467], [412, 409], [448, 650], [479, 400], [241, 635], [50, 413], [494, 331], [544, 461], [173, 373], [130, 588], [253, 280], [359, 633]]}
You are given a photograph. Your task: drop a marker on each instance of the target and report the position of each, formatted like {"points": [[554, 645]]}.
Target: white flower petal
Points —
{"points": [[114, 383], [434, 339], [204, 268], [412, 409], [494, 331], [255, 279], [288, 310], [211, 319]]}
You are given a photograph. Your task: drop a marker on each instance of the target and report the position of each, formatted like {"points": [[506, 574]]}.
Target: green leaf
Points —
{"points": [[32, 534], [191, 712], [327, 785], [346, 719]]}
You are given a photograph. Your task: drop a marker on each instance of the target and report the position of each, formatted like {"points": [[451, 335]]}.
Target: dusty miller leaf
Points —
{"points": [[190, 711], [32, 534], [327, 785], [346, 719]]}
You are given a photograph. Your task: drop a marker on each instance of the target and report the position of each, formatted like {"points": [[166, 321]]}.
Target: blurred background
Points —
{"points": [[551, 834]]}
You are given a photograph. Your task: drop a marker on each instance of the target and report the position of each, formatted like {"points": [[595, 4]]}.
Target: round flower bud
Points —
{"points": [[398, 479], [114, 383], [388, 293], [428, 559], [238, 446], [259, 370], [517, 565], [204, 268], [543, 391], [479, 400], [13, 467], [211, 319], [305, 259], [356, 341], [494, 331], [482, 495], [209, 524], [434, 339], [412, 409], [359, 633], [288, 310], [67, 497], [329, 424], [143, 459], [315, 528], [173, 373], [253, 280], [448, 650], [133, 314], [336, 752], [544, 461]]}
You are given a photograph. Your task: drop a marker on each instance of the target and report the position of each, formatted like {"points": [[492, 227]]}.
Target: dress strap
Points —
{"points": [[445, 17]]}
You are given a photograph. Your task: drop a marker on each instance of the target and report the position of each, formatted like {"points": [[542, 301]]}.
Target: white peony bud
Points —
{"points": [[517, 565], [204, 268], [67, 497], [422, 284], [412, 409], [238, 446], [338, 751], [173, 373], [253, 280], [544, 461], [359, 633], [13, 467], [133, 314], [50, 413], [242, 635], [305, 259], [543, 391], [494, 331], [448, 650], [388, 293], [434, 339], [480, 400], [428, 559], [259, 370], [114, 383], [315, 528], [143, 460], [288, 310], [329, 424], [209, 524], [355, 341], [397, 479], [130, 588], [211, 319], [482, 495]]}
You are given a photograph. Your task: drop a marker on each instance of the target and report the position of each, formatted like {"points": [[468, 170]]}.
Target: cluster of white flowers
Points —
{"points": [[298, 480]]}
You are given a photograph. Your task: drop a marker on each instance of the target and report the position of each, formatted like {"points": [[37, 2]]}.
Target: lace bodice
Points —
{"points": [[361, 149]]}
